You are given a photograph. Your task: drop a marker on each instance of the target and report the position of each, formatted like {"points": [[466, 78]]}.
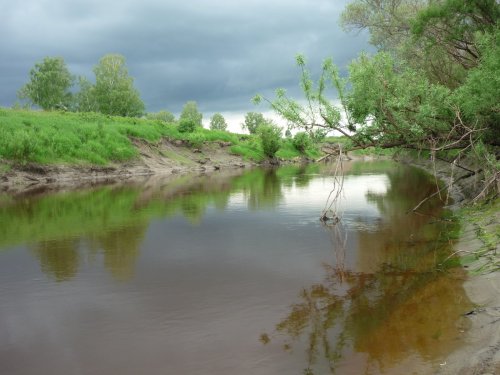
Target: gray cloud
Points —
{"points": [[219, 53]]}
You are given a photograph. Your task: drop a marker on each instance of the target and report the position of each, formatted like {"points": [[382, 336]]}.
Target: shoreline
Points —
{"points": [[163, 161], [480, 353]]}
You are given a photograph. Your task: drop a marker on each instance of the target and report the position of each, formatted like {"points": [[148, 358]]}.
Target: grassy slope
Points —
{"points": [[91, 138], [82, 138]]}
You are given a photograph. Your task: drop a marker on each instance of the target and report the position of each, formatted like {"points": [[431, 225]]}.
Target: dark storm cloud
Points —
{"points": [[219, 53]]}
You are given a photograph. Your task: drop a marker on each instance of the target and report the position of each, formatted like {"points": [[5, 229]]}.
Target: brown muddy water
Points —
{"points": [[231, 275]]}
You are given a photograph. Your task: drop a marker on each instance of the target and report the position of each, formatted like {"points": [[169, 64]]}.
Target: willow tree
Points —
{"points": [[433, 85]]}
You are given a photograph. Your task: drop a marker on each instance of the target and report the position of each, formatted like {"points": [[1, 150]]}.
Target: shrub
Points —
{"points": [[270, 138], [302, 141], [195, 139], [164, 116], [186, 125]]}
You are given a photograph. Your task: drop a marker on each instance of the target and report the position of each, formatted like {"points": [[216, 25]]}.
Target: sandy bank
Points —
{"points": [[480, 354]]}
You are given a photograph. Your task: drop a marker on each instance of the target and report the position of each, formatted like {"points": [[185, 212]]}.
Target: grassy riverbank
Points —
{"points": [[96, 139]]}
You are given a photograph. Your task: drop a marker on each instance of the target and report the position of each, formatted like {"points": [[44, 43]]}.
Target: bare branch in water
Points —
{"points": [[330, 214]]}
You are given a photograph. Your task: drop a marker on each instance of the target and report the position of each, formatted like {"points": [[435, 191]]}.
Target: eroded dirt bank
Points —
{"points": [[163, 159]]}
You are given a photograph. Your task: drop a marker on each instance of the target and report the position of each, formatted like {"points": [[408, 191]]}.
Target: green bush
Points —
{"points": [[186, 125], [302, 141], [270, 138], [195, 139]]}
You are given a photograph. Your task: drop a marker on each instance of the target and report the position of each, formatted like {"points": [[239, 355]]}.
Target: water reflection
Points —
{"points": [[120, 248], [397, 302], [58, 258], [205, 263], [112, 221]]}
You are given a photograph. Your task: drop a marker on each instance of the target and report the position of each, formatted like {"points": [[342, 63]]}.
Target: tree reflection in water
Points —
{"points": [[397, 305], [58, 258], [389, 315], [112, 220]]}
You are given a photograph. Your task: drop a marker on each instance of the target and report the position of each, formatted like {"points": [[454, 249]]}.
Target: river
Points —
{"points": [[231, 274]]}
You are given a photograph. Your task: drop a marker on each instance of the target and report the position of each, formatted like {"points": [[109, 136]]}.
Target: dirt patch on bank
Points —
{"points": [[163, 158]]}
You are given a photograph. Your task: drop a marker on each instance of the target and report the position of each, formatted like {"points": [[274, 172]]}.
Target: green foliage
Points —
{"points": [[217, 122], [302, 141], [438, 38], [483, 218], [190, 112], [195, 139], [94, 138], [270, 138], [63, 137], [388, 21], [434, 84], [85, 99], [318, 111], [186, 125], [114, 89], [454, 25], [396, 106], [248, 151], [253, 120], [164, 116], [218, 135], [287, 151], [49, 85], [479, 97]]}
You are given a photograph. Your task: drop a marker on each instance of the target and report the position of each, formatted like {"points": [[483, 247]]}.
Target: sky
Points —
{"points": [[219, 53]]}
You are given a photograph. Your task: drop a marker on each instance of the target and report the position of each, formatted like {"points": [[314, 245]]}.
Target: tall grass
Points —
{"points": [[93, 138]]}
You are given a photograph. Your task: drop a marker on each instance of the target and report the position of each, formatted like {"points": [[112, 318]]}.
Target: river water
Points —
{"points": [[231, 274]]}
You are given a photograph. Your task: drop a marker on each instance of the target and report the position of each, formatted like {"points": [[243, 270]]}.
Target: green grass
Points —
{"points": [[248, 151], [92, 138], [484, 219], [287, 151]]}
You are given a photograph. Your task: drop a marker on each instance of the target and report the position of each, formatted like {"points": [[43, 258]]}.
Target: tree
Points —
{"points": [[114, 88], [253, 120], [388, 21], [49, 85], [190, 112], [432, 86], [454, 25], [85, 99], [164, 116], [391, 24], [217, 122]]}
